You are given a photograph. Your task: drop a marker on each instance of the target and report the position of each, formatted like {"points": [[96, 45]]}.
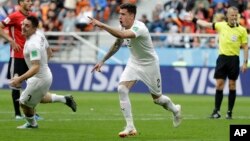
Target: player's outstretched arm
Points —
{"points": [[115, 32]]}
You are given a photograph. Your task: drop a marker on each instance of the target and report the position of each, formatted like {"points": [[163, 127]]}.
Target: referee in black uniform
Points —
{"points": [[232, 37]]}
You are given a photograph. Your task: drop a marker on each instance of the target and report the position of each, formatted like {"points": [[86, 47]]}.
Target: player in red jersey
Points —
{"points": [[17, 64]]}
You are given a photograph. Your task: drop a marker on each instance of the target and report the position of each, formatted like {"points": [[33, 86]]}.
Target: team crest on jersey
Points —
{"points": [[135, 28], [6, 20]]}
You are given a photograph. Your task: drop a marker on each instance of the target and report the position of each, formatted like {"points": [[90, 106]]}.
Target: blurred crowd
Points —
{"points": [[168, 17], [68, 15]]}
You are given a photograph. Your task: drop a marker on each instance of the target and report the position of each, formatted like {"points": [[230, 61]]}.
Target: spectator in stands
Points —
{"points": [[174, 40], [36, 9], [143, 65], [99, 8], [70, 4], [51, 17], [173, 6], [219, 8], [202, 12], [240, 4], [215, 2], [219, 17], [157, 25], [158, 12], [82, 19], [212, 43], [145, 20], [68, 20], [205, 4], [113, 4], [196, 42], [53, 7]]}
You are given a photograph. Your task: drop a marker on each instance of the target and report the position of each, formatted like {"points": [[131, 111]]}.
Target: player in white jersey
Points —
{"points": [[39, 77], [142, 65]]}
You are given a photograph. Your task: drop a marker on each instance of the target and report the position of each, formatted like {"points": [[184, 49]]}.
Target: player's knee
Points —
{"points": [[123, 92], [122, 89], [232, 84]]}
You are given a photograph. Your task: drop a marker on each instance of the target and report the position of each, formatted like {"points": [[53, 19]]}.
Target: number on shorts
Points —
{"points": [[29, 97], [158, 83]]}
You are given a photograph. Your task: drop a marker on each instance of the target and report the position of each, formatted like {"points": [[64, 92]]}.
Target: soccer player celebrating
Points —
{"points": [[143, 65]]}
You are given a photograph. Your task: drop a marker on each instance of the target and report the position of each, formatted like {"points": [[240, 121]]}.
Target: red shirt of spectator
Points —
{"points": [[14, 23]]}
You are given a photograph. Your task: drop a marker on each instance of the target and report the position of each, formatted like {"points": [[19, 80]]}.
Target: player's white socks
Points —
{"points": [[125, 105], [58, 98], [31, 120], [166, 103]]}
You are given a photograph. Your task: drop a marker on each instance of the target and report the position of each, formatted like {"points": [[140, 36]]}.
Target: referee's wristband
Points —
{"points": [[194, 20]]}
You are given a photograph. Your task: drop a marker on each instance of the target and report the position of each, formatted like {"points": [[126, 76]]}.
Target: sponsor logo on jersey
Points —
{"points": [[6, 20]]}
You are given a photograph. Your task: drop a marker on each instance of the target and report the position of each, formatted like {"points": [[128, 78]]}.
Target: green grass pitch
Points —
{"points": [[98, 118]]}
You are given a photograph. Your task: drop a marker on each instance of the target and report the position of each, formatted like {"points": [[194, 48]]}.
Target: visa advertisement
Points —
{"points": [[177, 80]]}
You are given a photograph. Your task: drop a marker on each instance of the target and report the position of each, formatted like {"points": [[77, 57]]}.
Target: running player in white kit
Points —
{"points": [[39, 77], [142, 65]]}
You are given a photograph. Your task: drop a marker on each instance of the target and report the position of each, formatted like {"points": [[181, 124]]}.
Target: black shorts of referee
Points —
{"points": [[16, 66], [227, 67]]}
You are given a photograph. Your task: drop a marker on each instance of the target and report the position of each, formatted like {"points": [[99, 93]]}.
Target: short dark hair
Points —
{"points": [[130, 7], [34, 21], [19, 1]]}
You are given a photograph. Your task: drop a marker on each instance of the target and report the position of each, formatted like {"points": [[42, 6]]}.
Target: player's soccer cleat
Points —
{"points": [[27, 126], [18, 117], [70, 102], [128, 131], [177, 116], [37, 117], [229, 115], [215, 115]]}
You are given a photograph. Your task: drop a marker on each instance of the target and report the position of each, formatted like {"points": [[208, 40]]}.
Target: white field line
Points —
{"points": [[142, 117]]}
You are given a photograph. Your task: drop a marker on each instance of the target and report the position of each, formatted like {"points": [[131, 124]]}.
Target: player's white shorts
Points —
{"points": [[149, 75], [35, 90]]}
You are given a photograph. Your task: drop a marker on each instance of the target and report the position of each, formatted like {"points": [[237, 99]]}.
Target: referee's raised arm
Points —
{"points": [[203, 23]]}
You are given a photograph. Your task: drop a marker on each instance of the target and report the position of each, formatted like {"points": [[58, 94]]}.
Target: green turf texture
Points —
{"points": [[98, 118]]}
